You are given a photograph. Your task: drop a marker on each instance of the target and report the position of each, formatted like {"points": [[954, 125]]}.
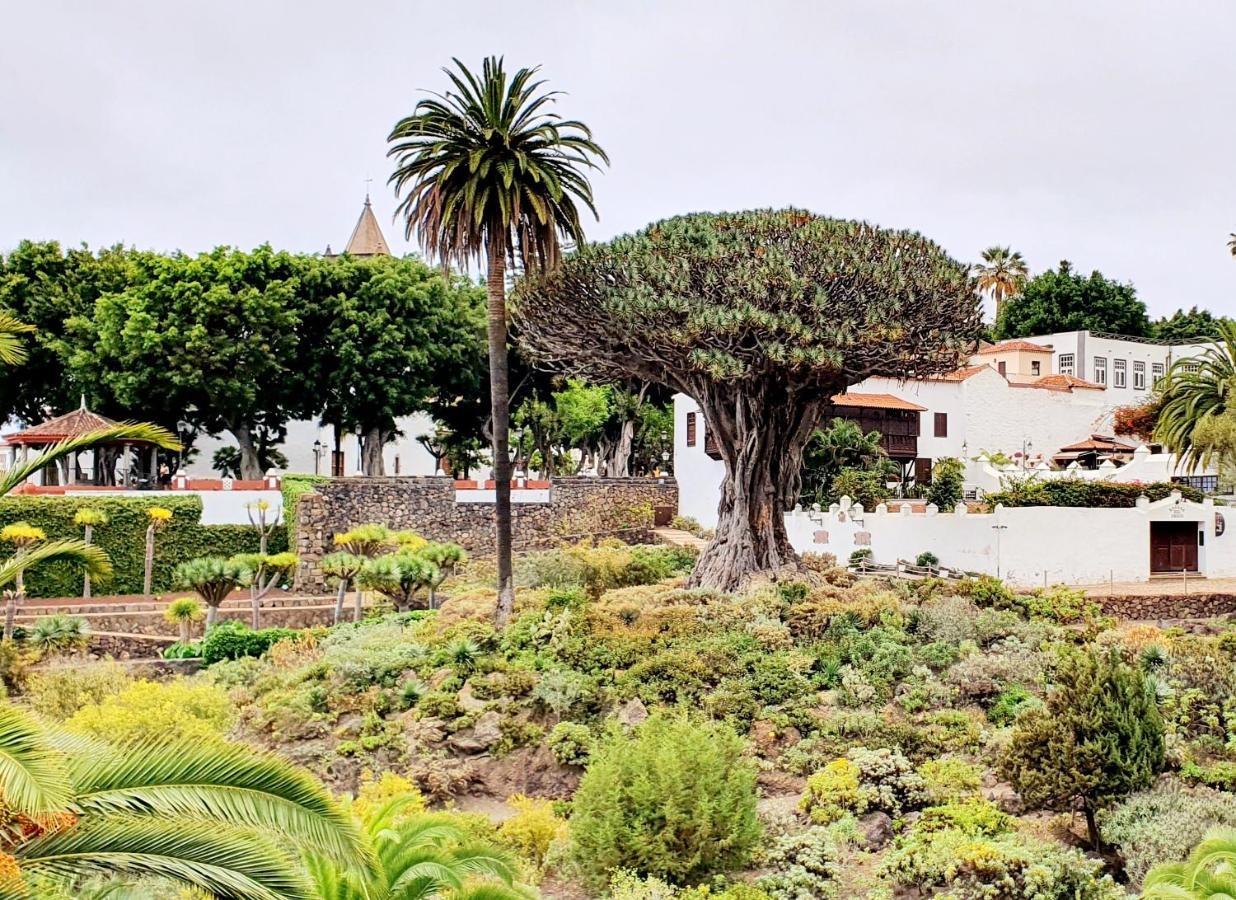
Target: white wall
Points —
{"points": [[1025, 546], [699, 476], [298, 448]]}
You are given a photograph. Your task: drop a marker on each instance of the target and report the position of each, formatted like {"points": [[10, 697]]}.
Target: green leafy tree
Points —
{"points": [[947, 483], [1098, 738], [1002, 274], [227, 462], [216, 817], [675, 799], [865, 486], [487, 170], [213, 335], [761, 317], [386, 337], [1064, 300], [1198, 419], [1187, 327], [840, 446]]}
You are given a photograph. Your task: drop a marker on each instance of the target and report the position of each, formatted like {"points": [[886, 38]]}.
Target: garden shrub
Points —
{"points": [[182, 539], [149, 710], [374, 654], [1080, 492], [58, 692], [233, 639], [861, 555], [926, 559], [949, 779], [949, 619], [1003, 866], [982, 676], [804, 867], [861, 782], [564, 691], [947, 483], [570, 743], [1220, 775], [532, 829], [1165, 822], [674, 799], [1010, 703], [973, 816]]}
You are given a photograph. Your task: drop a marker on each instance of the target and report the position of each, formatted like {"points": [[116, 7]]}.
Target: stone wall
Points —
{"points": [[1201, 605], [576, 508]]}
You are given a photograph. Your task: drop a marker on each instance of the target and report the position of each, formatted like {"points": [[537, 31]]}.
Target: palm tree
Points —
{"points": [[421, 856], [1196, 419], [1002, 274], [12, 351], [1208, 874], [221, 817], [486, 169]]}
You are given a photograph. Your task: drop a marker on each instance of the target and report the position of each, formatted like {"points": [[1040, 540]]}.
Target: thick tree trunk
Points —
{"points": [[185, 636], [148, 572], [372, 442], [761, 432], [212, 616], [499, 389], [1092, 828], [250, 464], [86, 578]]}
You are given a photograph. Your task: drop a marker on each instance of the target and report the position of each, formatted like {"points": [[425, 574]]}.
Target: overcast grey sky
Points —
{"points": [[1101, 132]]}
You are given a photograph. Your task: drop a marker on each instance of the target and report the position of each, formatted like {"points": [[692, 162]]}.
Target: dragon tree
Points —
{"points": [[761, 317]]}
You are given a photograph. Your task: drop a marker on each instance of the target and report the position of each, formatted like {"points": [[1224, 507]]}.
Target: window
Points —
{"points": [[1036, 368], [1100, 370], [1191, 368], [1139, 376], [1156, 373], [941, 424], [1066, 363], [690, 429], [1120, 374]]}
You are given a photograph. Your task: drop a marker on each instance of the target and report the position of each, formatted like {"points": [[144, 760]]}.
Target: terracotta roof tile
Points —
{"points": [[1066, 382], [875, 401], [79, 421], [960, 374], [1024, 346]]}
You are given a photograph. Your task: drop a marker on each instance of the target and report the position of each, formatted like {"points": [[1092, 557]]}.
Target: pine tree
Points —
{"points": [[1099, 738]]}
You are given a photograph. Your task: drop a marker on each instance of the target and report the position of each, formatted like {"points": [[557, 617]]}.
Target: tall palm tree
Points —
{"points": [[1208, 874], [1002, 274], [421, 856], [1199, 398], [223, 818], [487, 170]]}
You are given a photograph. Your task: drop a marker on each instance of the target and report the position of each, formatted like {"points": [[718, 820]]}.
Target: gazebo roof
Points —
{"points": [[70, 425]]}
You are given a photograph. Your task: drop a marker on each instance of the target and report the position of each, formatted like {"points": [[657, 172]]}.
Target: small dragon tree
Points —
{"points": [[265, 571], [88, 518], [366, 541], [447, 557], [213, 579], [344, 567], [34, 548], [399, 577], [265, 524], [183, 612], [761, 317], [157, 517]]}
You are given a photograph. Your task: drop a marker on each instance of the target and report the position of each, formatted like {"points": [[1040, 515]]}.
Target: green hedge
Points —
{"points": [[1076, 492], [292, 486], [124, 539]]}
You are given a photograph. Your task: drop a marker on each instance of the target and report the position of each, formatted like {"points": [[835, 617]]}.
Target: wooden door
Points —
{"points": [[1173, 546]]}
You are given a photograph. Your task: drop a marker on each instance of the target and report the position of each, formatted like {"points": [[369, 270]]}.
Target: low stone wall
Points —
{"points": [[576, 507], [128, 646], [1168, 606]]}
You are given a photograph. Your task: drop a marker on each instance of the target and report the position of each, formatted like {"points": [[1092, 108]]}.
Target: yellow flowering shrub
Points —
{"points": [[22, 533], [533, 828], [831, 792], [374, 793], [148, 710]]}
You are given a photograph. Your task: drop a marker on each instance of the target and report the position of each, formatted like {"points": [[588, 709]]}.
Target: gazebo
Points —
{"points": [[103, 458]]}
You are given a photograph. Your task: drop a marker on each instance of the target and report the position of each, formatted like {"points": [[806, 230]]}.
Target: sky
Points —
{"points": [[1099, 132]]}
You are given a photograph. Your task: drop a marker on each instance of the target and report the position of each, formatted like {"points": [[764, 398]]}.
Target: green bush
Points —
{"points": [[58, 692], [570, 743], [674, 799], [1010, 703], [150, 710], [803, 865], [947, 483], [861, 782], [124, 539], [233, 639], [926, 558], [1078, 492]]}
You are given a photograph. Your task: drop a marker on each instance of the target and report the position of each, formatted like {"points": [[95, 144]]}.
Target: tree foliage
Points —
{"points": [[1099, 738], [1198, 419], [1188, 326], [1064, 300], [761, 317]]}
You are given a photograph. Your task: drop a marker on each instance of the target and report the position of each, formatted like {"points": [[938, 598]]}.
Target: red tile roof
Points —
{"points": [[1023, 346], [78, 422], [875, 401], [960, 374], [1066, 383]]}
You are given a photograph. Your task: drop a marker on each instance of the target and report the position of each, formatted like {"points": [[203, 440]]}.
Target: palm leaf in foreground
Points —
{"points": [[71, 549], [33, 778], [124, 431], [230, 784], [231, 863], [12, 351], [1208, 874]]}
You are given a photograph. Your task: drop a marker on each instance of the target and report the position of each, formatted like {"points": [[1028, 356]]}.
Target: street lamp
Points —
{"points": [[665, 454], [317, 456], [1026, 446]]}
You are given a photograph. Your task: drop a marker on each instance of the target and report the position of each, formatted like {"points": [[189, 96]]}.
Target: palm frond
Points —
{"points": [[142, 432], [91, 556], [226, 862], [229, 784], [12, 351], [33, 778]]}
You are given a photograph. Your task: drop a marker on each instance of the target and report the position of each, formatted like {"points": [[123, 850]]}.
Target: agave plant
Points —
{"points": [[222, 818], [420, 856], [60, 634]]}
